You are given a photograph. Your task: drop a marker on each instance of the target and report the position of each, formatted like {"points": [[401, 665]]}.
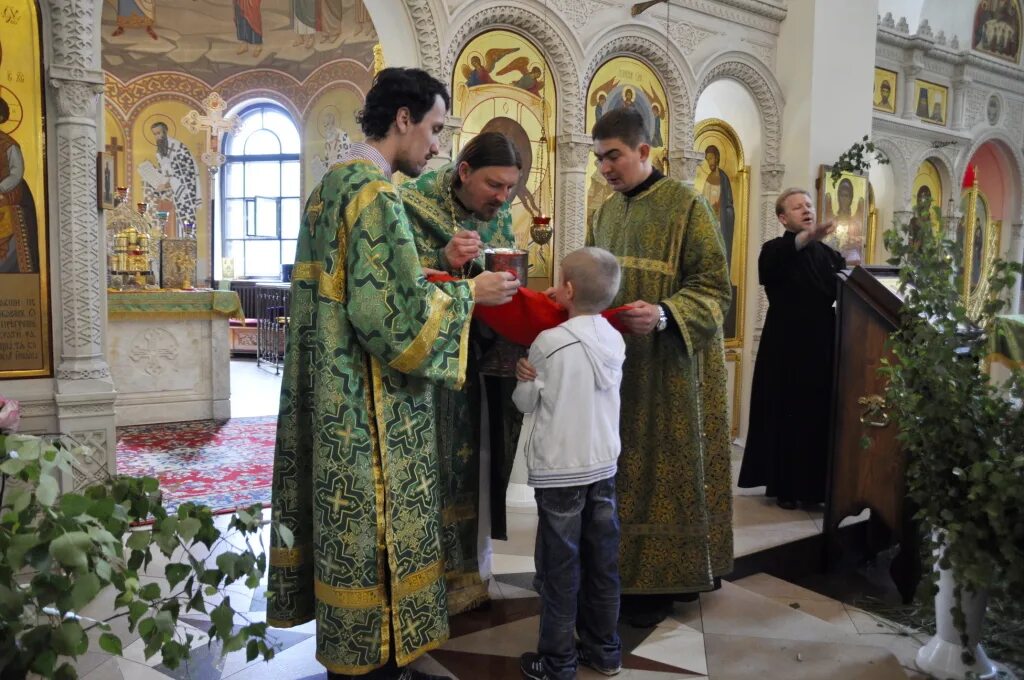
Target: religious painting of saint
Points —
{"points": [[722, 179], [106, 179], [846, 203], [328, 131], [931, 102], [625, 82], [25, 338], [997, 29], [927, 199], [173, 178], [977, 238], [884, 98], [501, 83]]}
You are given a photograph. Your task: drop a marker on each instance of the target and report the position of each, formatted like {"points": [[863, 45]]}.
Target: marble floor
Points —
{"points": [[756, 627]]}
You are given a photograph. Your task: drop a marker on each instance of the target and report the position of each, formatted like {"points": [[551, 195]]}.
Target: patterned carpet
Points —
{"points": [[223, 464]]}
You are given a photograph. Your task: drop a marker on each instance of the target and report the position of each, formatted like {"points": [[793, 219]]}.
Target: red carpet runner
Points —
{"points": [[226, 465]]}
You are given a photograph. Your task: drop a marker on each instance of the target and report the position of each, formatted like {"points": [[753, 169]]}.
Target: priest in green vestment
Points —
{"points": [[357, 536], [456, 211], [674, 480]]}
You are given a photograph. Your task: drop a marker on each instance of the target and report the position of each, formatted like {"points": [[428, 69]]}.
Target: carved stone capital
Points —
{"points": [[573, 151], [76, 98], [452, 125], [771, 177], [687, 163]]}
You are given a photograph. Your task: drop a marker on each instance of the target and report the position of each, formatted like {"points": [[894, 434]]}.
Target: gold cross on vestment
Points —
{"points": [[338, 501], [214, 124], [345, 434]]}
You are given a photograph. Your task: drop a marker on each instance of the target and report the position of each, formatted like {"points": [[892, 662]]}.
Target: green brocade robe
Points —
{"points": [[435, 218], [355, 470], [674, 480]]}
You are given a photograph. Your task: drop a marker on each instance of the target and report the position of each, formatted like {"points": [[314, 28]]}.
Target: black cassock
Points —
{"points": [[787, 437]]}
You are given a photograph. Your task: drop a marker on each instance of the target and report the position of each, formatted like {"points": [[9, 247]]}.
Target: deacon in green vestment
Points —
{"points": [[675, 498], [455, 212], [355, 471]]}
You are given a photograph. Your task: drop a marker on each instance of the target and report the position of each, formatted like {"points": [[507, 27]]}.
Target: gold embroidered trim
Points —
{"points": [[464, 337], [306, 271], [645, 264], [419, 580], [413, 355], [332, 285], [352, 670], [350, 598], [290, 557], [374, 408], [288, 623]]}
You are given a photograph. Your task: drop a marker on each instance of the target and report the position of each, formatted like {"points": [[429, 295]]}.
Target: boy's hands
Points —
{"points": [[525, 372]]}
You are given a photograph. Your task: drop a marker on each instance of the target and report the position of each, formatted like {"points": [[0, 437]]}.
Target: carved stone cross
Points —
{"points": [[214, 123]]}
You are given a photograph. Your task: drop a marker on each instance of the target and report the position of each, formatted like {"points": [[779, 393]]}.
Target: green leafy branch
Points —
{"points": [[963, 436], [58, 552], [857, 160]]}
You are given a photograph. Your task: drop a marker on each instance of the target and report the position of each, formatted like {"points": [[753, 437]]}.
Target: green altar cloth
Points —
{"points": [[174, 304]]}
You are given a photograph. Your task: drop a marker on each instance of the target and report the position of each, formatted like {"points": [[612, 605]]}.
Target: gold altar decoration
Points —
{"points": [[177, 263], [132, 234], [978, 241]]}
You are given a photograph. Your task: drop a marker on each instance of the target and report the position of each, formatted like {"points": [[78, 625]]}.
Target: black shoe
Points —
{"points": [[686, 597], [644, 611], [584, 660], [531, 666], [786, 505]]}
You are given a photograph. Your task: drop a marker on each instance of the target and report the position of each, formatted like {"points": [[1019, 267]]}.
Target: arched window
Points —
{"points": [[260, 193]]}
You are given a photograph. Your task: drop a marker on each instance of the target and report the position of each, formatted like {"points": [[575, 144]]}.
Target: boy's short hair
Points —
{"points": [[595, 276], [624, 123]]}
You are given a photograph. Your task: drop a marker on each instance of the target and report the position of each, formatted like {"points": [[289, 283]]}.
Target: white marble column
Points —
{"points": [[571, 216], [684, 167], [84, 389], [910, 73], [960, 85]]}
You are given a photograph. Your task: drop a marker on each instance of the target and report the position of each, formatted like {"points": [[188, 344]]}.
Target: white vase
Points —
{"points": [[942, 656]]}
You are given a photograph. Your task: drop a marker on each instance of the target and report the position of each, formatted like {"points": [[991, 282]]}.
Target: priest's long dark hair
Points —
{"points": [[485, 150]]}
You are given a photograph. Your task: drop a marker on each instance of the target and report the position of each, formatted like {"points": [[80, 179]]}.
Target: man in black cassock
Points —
{"points": [[787, 437]]}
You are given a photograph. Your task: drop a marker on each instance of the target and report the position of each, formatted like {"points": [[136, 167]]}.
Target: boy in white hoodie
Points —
{"points": [[569, 391]]}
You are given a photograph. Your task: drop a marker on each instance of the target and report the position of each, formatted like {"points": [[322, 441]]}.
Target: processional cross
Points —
{"points": [[214, 123]]}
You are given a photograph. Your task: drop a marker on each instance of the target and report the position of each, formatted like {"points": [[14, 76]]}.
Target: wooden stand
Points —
{"points": [[867, 311]]}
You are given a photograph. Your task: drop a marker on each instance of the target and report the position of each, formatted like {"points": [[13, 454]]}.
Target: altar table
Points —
{"points": [[169, 354]]}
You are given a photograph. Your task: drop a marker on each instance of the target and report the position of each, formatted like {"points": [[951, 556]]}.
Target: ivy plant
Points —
{"points": [[59, 551], [857, 160], [962, 435]]}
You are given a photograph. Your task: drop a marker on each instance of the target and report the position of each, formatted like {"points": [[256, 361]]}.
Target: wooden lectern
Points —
{"points": [[867, 311]]}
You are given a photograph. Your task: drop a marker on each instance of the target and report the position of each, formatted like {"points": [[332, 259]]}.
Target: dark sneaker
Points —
{"points": [[584, 660], [532, 666]]}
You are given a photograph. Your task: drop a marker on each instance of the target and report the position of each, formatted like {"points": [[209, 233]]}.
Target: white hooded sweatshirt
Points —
{"points": [[570, 434]]}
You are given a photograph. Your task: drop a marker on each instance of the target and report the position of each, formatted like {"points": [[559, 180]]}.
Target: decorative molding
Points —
{"points": [[427, 39], [676, 87], [691, 160], [100, 466], [975, 103], [689, 37], [769, 230], [760, 14], [98, 408], [551, 43], [576, 12], [765, 93], [888, 21], [772, 175], [678, 162], [77, 98], [74, 37], [573, 151], [764, 53], [38, 409], [452, 125], [154, 350], [97, 373]]}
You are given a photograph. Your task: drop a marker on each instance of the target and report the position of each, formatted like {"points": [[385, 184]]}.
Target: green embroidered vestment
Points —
{"points": [[355, 469], [435, 218], [674, 481]]}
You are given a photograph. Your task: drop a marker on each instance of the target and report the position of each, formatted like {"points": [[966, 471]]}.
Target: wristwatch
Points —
{"points": [[662, 319]]}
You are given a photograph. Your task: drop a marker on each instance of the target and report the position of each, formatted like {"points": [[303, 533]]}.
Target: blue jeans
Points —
{"points": [[577, 560]]}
